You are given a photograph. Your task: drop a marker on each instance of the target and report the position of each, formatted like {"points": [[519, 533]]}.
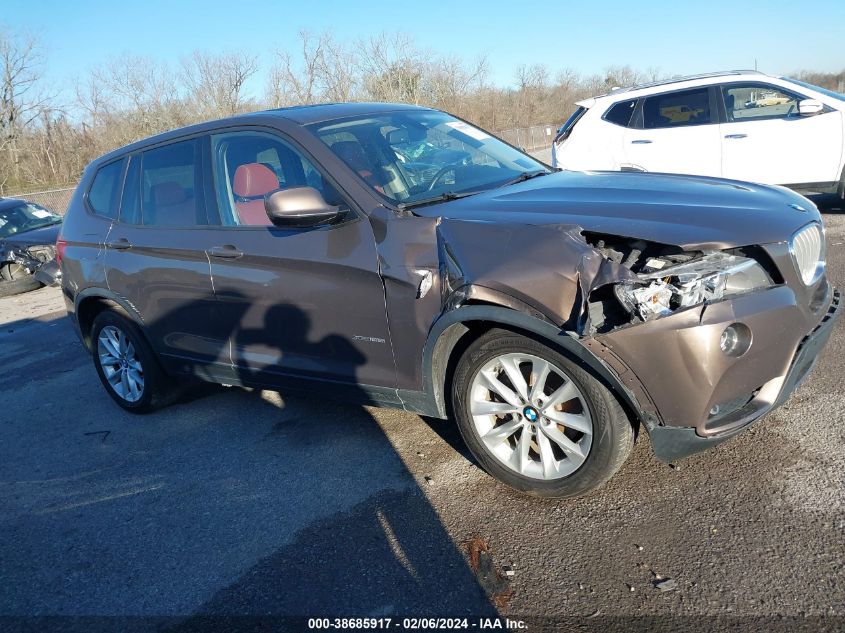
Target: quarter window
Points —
{"points": [[249, 165], [169, 186], [621, 113], [105, 189], [677, 109], [744, 102]]}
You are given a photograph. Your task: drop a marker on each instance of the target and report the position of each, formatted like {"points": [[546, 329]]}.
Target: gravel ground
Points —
{"points": [[241, 502]]}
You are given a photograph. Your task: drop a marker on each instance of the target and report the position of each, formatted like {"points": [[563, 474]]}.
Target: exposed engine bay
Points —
{"points": [[668, 279]]}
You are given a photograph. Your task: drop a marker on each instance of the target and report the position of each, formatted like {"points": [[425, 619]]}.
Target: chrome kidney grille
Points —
{"points": [[807, 249]]}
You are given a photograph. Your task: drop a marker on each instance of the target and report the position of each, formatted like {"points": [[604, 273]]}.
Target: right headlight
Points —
{"points": [[709, 278]]}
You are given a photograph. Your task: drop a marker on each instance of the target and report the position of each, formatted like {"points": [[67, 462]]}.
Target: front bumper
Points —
{"points": [[685, 374]]}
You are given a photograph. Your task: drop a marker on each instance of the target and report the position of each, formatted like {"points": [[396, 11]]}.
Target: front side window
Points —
{"points": [[677, 109], [744, 102], [249, 165], [621, 113], [25, 217], [414, 157], [105, 189], [170, 186]]}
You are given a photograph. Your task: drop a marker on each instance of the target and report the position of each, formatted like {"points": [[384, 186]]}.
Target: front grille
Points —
{"points": [[807, 249]]}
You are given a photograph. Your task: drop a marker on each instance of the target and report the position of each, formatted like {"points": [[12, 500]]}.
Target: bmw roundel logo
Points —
{"points": [[530, 414]]}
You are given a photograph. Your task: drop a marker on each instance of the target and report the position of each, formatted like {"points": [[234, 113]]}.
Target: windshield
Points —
{"points": [[413, 158], [824, 91], [25, 217]]}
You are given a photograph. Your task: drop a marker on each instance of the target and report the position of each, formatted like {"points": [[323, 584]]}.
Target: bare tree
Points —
{"points": [[21, 101], [392, 68], [296, 80], [215, 83], [132, 97]]}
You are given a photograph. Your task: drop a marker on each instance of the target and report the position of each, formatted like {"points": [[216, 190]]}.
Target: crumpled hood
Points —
{"points": [[14, 247], [46, 235], [692, 212]]}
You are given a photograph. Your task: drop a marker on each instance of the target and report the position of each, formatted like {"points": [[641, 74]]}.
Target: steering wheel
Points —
{"points": [[439, 175]]}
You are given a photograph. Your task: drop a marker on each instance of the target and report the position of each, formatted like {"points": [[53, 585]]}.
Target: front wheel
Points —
{"points": [[536, 420], [15, 280]]}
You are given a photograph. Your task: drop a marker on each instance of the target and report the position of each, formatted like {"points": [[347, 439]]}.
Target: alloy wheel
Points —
{"points": [[120, 363], [531, 416]]}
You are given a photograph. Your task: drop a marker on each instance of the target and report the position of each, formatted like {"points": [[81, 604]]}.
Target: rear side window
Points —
{"points": [[677, 109], [621, 113], [170, 189], [104, 193]]}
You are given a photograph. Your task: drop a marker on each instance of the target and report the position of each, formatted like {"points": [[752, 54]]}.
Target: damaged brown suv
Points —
{"points": [[396, 255]]}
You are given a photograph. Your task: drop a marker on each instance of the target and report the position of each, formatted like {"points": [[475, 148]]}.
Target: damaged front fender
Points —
{"points": [[546, 272]]}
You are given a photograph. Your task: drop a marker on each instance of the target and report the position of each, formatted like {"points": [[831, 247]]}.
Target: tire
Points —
{"points": [[560, 460], [14, 280], [138, 360]]}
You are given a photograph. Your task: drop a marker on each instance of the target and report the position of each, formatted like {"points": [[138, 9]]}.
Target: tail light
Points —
{"points": [[61, 245]]}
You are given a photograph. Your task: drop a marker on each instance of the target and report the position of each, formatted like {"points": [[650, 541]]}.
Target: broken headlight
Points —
{"points": [[666, 288]]}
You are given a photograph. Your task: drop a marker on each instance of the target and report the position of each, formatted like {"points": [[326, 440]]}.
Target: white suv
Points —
{"points": [[739, 124]]}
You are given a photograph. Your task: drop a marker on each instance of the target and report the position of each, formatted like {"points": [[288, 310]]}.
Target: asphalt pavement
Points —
{"points": [[246, 502]]}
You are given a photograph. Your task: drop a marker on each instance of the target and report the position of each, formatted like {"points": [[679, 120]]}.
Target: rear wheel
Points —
{"points": [[536, 420], [126, 365]]}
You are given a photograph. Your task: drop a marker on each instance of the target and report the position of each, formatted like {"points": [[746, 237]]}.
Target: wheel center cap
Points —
{"points": [[530, 414], [124, 364]]}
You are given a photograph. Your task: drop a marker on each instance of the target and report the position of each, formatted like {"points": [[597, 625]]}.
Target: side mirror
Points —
{"points": [[298, 207], [809, 107]]}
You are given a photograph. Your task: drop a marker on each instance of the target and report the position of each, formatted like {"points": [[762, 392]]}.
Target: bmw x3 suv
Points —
{"points": [[550, 314], [739, 124]]}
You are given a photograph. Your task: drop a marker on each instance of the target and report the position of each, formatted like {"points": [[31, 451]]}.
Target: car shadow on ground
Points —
{"points": [[237, 502]]}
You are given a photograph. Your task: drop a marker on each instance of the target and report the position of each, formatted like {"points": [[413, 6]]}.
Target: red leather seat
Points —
{"points": [[252, 181]]}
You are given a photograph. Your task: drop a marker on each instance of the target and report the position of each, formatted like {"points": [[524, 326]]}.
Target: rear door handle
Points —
{"points": [[120, 244], [226, 251], [641, 141], [736, 135]]}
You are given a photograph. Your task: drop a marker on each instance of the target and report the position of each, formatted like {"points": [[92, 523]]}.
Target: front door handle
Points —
{"points": [[736, 136], [227, 251], [641, 141], [120, 244]]}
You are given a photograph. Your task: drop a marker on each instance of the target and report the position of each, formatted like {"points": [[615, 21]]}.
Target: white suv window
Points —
{"points": [[744, 102], [677, 109], [621, 113]]}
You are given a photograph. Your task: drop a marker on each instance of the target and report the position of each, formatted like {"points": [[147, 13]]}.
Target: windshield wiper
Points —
{"points": [[449, 195], [527, 175]]}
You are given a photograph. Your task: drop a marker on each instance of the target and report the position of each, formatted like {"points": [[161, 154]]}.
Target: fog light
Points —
{"points": [[735, 340]]}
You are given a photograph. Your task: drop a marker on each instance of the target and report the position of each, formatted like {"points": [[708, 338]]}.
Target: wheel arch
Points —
{"points": [[456, 330], [91, 302]]}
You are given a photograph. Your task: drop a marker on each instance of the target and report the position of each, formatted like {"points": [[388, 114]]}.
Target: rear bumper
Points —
{"points": [[671, 443]]}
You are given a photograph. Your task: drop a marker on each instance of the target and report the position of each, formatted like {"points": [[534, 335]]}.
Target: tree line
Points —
{"points": [[46, 141]]}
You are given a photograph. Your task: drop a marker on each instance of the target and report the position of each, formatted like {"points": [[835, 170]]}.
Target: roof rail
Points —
{"points": [[674, 80]]}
